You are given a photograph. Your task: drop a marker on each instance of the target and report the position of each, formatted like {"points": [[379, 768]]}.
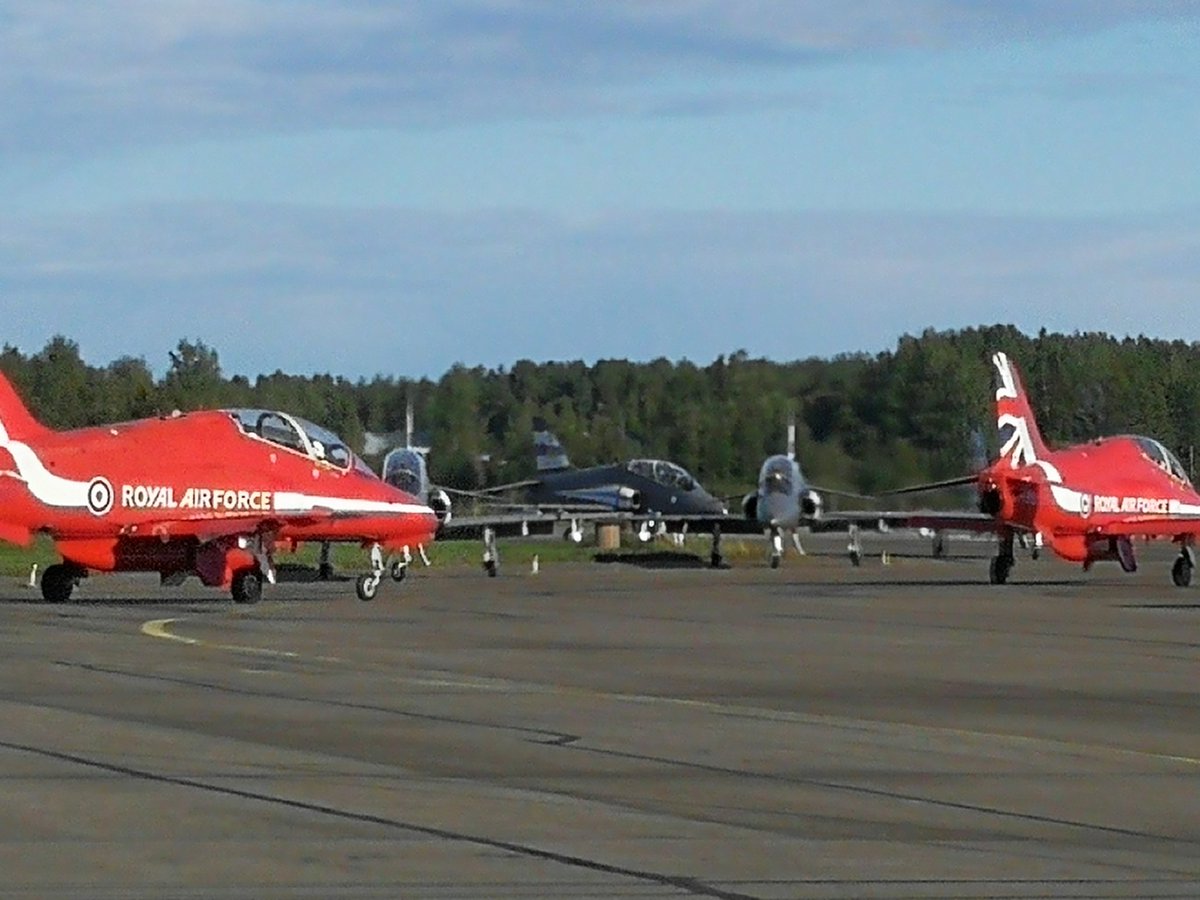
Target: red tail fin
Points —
{"points": [[1020, 441], [16, 421]]}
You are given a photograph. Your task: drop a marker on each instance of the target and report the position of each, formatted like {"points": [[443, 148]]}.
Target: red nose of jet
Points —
{"points": [[398, 519]]}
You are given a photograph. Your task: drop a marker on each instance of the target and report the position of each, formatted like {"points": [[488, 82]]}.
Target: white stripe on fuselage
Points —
{"points": [[290, 501], [48, 488]]}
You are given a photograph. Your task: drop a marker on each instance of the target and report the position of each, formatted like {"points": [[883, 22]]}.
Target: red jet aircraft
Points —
{"points": [[209, 493], [1088, 501]]}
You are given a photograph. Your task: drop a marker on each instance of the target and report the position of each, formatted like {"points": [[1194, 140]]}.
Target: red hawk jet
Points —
{"points": [[210, 493], [1087, 501]]}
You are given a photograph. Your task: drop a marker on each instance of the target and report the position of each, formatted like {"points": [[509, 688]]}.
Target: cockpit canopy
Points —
{"points": [[777, 475], [404, 468], [297, 435], [1163, 458], [663, 472]]}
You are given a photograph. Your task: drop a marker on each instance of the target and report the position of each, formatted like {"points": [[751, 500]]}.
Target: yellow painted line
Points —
{"points": [[157, 628]]}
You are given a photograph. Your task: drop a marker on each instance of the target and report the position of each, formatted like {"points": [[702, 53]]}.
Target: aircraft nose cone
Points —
{"points": [[773, 510]]}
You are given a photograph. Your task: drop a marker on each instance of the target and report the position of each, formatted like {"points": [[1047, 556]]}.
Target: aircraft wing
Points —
{"points": [[959, 481], [519, 523], [833, 521], [938, 521], [488, 492]]}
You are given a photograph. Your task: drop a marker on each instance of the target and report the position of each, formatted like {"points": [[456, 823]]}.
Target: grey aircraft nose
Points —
{"points": [[777, 510]]}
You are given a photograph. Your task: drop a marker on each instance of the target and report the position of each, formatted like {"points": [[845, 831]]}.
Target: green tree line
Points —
{"points": [[865, 422]]}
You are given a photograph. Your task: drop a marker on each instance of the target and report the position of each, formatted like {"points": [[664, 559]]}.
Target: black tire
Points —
{"points": [[324, 571], [367, 586], [491, 568], [247, 586], [774, 561], [399, 571], [999, 569], [58, 581], [1181, 572]]}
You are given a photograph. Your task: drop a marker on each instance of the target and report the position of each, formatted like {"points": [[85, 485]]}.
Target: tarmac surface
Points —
{"points": [[610, 731]]}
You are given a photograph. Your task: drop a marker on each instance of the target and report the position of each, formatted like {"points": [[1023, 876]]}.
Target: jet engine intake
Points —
{"points": [[439, 502], [811, 504], [750, 506], [629, 499], [991, 500]]}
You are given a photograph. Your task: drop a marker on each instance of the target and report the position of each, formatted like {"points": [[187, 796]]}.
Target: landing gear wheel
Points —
{"points": [[57, 583], [367, 587], [247, 586], [1001, 566], [399, 571], [855, 558], [774, 561], [325, 571], [490, 567], [1181, 572]]}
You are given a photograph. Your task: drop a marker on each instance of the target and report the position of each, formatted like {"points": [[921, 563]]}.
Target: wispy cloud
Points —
{"points": [[123, 70]]}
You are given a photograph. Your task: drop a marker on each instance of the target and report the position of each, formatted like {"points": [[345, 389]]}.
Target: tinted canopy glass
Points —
{"points": [[1163, 458], [297, 435]]}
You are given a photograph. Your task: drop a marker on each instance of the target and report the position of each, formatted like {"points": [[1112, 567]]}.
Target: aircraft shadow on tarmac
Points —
{"points": [[286, 573], [663, 560]]}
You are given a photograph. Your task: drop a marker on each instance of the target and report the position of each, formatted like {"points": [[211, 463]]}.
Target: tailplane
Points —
{"points": [[16, 421], [550, 454], [1020, 440]]}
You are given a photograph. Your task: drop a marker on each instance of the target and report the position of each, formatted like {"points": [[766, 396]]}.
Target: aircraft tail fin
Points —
{"points": [[1020, 440], [550, 454], [16, 421]]}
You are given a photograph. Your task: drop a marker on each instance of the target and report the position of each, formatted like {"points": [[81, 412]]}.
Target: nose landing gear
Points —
{"points": [[367, 584]]}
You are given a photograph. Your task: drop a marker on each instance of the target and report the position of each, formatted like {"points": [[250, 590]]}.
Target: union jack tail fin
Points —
{"points": [[1020, 440], [16, 421]]}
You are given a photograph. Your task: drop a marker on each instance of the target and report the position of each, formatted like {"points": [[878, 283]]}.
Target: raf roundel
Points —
{"points": [[1085, 505], [100, 496]]}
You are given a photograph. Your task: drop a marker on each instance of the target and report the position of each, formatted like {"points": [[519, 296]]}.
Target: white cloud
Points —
{"points": [[123, 70]]}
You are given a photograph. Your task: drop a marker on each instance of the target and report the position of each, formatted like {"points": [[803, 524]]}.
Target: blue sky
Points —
{"points": [[372, 187]]}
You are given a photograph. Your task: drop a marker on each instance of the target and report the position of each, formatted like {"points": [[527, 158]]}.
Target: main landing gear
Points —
{"points": [[1002, 562], [1181, 572], [854, 545], [59, 580], [247, 586]]}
